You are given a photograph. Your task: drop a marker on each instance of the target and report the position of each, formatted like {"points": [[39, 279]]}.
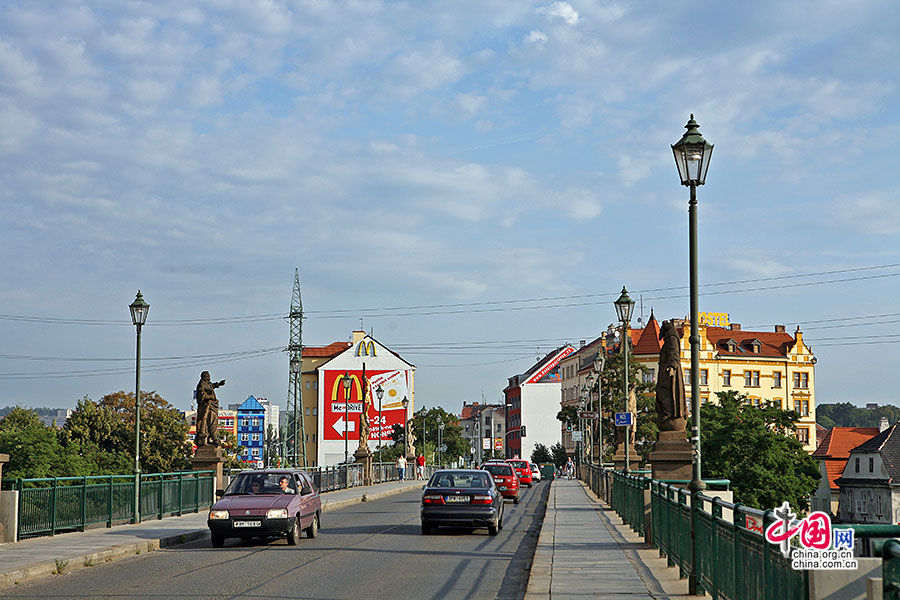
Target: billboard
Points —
{"points": [[340, 415]]}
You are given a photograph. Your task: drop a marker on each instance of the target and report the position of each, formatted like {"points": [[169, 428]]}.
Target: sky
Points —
{"points": [[472, 182]]}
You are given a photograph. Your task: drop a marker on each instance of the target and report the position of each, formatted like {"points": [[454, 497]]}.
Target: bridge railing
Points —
{"points": [[47, 506]]}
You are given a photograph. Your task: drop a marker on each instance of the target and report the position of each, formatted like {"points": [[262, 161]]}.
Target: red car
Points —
{"points": [[276, 503], [523, 470], [505, 477]]}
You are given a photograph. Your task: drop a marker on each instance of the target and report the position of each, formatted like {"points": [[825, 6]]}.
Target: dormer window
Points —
{"points": [[755, 346], [730, 345]]}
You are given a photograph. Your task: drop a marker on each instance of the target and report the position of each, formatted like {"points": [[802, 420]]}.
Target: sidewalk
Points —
{"points": [[39, 557], [584, 551]]}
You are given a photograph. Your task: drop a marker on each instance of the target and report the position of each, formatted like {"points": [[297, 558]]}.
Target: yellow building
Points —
{"points": [[767, 366]]}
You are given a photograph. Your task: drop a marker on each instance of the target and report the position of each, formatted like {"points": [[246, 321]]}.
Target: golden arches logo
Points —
{"points": [[337, 390], [366, 348]]}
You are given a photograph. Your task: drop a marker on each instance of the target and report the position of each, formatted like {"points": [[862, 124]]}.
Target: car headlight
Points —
{"points": [[277, 513], [218, 514]]}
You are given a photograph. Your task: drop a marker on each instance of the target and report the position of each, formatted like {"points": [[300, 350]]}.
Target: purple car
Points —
{"points": [[268, 503]]}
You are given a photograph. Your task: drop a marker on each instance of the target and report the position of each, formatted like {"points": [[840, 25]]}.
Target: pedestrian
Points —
{"points": [[401, 467], [420, 467], [570, 468]]}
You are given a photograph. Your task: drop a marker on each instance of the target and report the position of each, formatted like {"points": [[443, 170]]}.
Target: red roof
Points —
{"points": [[839, 441], [332, 349], [648, 342], [770, 343], [835, 449]]}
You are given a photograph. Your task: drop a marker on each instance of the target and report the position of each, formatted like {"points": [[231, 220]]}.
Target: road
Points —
{"points": [[373, 550]]}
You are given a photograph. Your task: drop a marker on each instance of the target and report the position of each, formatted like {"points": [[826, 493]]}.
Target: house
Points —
{"points": [[832, 455], [251, 430], [870, 482]]}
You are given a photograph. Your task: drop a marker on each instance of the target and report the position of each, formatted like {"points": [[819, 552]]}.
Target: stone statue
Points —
{"points": [[364, 417], [671, 401], [410, 438], [207, 411]]}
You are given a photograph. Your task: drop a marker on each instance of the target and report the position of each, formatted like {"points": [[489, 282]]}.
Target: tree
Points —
{"points": [[34, 449], [164, 443], [541, 454], [612, 382], [98, 434], [755, 449], [558, 452], [844, 414]]}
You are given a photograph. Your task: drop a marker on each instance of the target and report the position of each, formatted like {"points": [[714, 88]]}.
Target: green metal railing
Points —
{"points": [[48, 506]]}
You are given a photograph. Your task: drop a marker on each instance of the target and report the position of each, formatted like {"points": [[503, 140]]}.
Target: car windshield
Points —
{"points": [[498, 469], [459, 479], [262, 483], [518, 464]]}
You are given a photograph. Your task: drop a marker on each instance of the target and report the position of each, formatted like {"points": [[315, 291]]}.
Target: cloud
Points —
{"points": [[561, 10], [873, 213], [580, 204], [757, 265]]}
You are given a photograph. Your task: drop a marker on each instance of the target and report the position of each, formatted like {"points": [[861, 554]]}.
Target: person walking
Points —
{"points": [[401, 468], [570, 468], [420, 467]]}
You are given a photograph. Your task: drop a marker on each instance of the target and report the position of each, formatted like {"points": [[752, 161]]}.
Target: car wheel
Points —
{"points": [[500, 521], [217, 540], [426, 529], [293, 537], [493, 529], [516, 500], [313, 529]]}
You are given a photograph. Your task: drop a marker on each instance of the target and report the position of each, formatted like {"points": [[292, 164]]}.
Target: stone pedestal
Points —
{"points": [[363, 456], [209, 458], [4, 458], [671, 457], [619, 457]]}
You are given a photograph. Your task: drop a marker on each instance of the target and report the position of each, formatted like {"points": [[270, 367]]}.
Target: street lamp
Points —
{"points": [[692, 155], [599, 363], [405, 424], [379, 391], [590, 406], [347, 382], [139, 309], [624, 308], [440, 435], [506, 427], [478, 437]]}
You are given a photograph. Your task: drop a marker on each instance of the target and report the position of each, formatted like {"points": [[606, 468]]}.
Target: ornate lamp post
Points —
{"points": [[589, 401], [405, 425], [347, 382], [624, 308], [139, 309], [440, 441], [379, 391], [692, 155], [599, 363]]}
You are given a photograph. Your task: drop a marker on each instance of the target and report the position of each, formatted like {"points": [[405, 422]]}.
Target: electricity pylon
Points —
{"points": [[296, 437]]}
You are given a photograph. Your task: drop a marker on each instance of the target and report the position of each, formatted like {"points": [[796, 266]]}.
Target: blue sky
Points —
{"points": [[473, 157]]}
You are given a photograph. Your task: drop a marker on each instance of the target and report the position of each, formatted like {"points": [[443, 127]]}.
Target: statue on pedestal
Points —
{"points": [[364, 417], [671, 401], [207, 411]]}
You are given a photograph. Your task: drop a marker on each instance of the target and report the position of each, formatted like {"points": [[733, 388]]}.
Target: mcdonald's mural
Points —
{"points": [[396, 385]]}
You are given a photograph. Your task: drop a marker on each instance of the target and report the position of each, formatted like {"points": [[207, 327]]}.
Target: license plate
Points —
{"points": [[501, 487], [456, 499], [248, 523]]}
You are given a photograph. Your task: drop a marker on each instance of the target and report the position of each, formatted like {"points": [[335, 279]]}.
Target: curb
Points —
{"points": [[114, 553], [541, 565]]}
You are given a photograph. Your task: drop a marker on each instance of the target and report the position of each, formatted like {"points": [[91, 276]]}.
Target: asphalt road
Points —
{"points": [[373, 550]]}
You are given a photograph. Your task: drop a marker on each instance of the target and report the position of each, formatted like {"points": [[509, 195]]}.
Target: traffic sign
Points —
{"points": [[588, 414], [576, 436], [624, 419]]}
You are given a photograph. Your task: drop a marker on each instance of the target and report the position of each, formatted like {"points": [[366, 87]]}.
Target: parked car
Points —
{"points": [[505, 478], [266, 503], [522, 470], [535, 472], [548, 471], [462, 498]]}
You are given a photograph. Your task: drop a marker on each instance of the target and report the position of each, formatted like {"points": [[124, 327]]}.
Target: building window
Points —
{"points": [[254, 451], [751, 378], [255, 423], [314, 437], [872, 466], [243, 422], [307, 411], [857, 464], [776, 379], [648, 376], [804, 408], [726, 378], [704, 376], [315, 411], [307, 384], [803, 435], [255, 437], [687, 375], [801, 380], [244, 437]]}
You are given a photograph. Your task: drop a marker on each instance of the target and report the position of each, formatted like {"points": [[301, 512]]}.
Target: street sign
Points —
{"points": [[624, 419], [576, 436], [588, 414], [485, 443], [442, 447]]}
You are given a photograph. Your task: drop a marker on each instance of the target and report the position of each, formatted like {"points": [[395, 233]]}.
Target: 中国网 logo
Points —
{"points": [[819, 546]]}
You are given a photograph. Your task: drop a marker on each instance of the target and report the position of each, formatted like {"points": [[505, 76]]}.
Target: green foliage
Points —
{"points": [[754, 447], [559, 456], [541, 454], [612, 382], [845, 414], [34, 449], [100, 436], [457, 445]]}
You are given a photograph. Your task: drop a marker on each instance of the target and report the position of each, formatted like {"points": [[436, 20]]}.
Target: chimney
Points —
{"points": [[581, 343], [735, 326], [883, 424], [779, 329], [358, 336]]}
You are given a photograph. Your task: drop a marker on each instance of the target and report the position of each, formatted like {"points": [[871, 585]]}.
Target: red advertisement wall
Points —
{"points": [[395, 385]]}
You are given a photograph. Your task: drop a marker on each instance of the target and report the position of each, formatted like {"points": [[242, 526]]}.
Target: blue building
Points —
{"points": [[251, 429]]}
